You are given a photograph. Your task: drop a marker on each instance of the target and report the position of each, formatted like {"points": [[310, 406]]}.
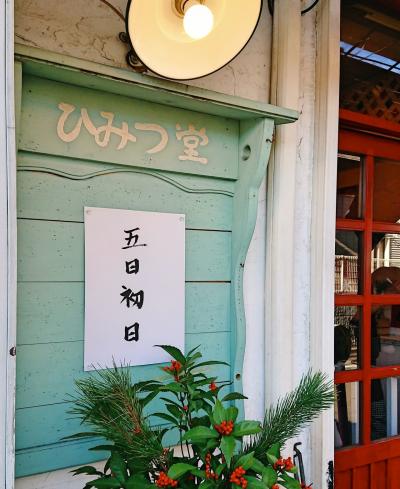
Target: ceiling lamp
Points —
{"points": [[186, 39]]}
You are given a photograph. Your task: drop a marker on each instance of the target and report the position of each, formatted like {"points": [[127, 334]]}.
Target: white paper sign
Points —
{"points": [[134, 286]]}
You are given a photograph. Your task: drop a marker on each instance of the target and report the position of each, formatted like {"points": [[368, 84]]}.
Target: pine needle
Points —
{"points": [[291, 414], [108, 403]]}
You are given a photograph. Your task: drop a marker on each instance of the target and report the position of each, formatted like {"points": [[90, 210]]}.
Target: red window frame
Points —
{"points": [[369, 138]]}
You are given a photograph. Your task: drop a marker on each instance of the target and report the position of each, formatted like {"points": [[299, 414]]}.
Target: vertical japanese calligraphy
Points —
{"points": [[134, 285]]}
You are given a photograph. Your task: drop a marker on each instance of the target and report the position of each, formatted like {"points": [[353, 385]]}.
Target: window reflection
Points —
{"points": [[385, 335], [385, 399], [349, 187], [347, 415], [386, 190], [347, 262], [385, 263], [347, 340]]}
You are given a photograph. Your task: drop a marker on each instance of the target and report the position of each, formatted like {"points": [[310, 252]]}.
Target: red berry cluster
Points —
{"points": [[174, 367], [284, 464], [209, 473], [237, 477], [275, 486], [164, 481], [213, 386], [225, 428]]}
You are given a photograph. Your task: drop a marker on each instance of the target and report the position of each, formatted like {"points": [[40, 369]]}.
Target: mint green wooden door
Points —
{"points": [[86, 145]]}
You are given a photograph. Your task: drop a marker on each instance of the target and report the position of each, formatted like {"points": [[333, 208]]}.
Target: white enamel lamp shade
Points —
{"points": [[159, 39]]}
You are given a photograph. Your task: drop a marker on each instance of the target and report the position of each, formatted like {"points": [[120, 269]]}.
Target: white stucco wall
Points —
{"points": [[89, 30]]}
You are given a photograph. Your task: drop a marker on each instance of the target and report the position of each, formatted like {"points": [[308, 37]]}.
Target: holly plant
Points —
{"points": [[214, 449]]}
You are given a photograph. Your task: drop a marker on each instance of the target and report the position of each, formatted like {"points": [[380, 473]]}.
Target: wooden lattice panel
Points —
{"points": [[375, 97]]}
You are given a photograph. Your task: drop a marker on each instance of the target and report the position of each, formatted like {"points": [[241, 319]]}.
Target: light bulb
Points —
{"points": [[198, 21]]}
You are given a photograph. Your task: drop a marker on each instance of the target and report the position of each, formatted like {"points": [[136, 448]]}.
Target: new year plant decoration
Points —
{"points": [[215, 449]]}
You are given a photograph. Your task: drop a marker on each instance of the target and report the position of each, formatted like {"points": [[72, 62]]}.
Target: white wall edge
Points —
{"points": [[323, 223], [7, 244]]}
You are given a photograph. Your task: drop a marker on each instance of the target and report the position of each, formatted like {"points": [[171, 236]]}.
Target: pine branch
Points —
{"points": [[291, 414], [109, 405]]}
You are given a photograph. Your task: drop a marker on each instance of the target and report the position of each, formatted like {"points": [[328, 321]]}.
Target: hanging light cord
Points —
{"points": [[114, 9], [310, 7]]}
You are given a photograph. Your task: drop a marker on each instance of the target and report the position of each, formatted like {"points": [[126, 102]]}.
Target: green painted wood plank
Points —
{"points": [[48, 424], [67, 454], [41, 101], [46, 372], [49, 457], [54, 312], [54, 251], [119, 188], [56, 66]]}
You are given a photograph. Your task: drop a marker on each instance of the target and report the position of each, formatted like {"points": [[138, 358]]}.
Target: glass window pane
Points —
{"points": [[347, 414], [385, 263], [349, 187], [385, 335], [385, 397], [347, 337], [348, 262], [386, 205]]}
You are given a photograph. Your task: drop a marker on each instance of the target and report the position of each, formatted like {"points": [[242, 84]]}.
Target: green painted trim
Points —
{"points": [[18, 98], [254, 150], [59, 67], [160, 176]]}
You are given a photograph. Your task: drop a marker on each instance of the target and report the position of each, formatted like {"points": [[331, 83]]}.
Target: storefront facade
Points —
{"points": [[292, 61]]}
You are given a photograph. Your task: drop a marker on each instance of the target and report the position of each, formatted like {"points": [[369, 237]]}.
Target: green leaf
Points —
{"points": [[209, 362], [207, 485], [148, 398], [118, 467], [87, 469], [201, 421], [258, 466], [246, 428], [105, 483], [174, 352], [199, 473], [220, 469], [178, 470], [254, 483], [174, 410], [233, 396], [219, 413], [166, 417], [269, 476], [231, 413], [245, 461], [211, 444], [102, 448], [271, 459], [274, 450], [289, 482], [227, 446], [192, 351], [138, 482], [207, 380], [200, 433], [172, 387], [80, 435]]}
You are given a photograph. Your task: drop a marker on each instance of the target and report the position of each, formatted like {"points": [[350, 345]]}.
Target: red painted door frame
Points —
{"points": [[371, 464]]}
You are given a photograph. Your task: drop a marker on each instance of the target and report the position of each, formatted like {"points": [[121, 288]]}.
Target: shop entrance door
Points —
{"points": [[367, 305]]}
